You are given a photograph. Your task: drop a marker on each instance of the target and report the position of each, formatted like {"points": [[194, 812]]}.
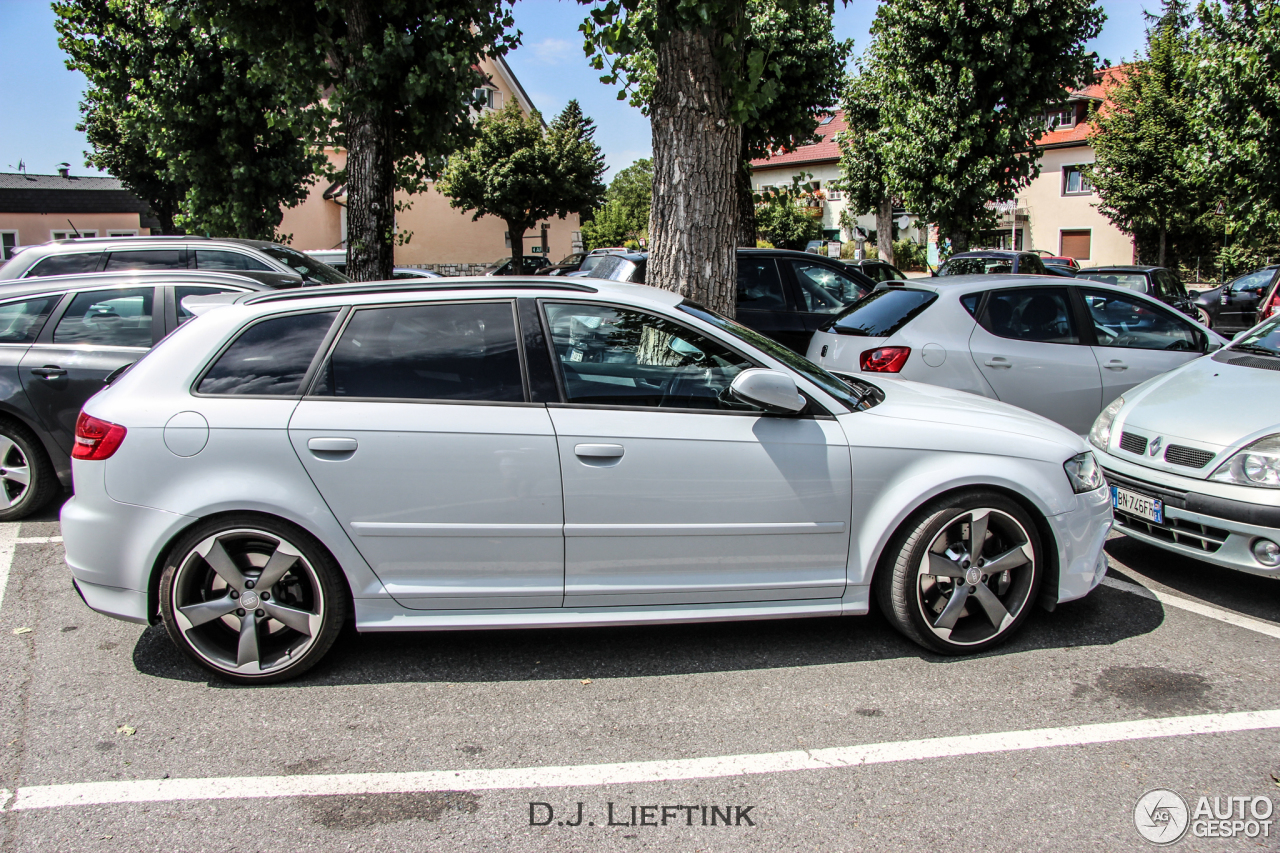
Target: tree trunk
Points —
{"points": [[697, 150], [1160, 252], [370, 169], [884, 230], [517, 247], [747, 228], [959, 241]]}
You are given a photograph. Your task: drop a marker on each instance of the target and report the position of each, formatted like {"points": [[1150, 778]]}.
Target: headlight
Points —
{"points": [[1100, 432], [1256, 465], [1084, 472]]}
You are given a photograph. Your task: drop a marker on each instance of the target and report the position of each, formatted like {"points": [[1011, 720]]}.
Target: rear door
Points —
{"points": [[1028, 347], [763, 302]]}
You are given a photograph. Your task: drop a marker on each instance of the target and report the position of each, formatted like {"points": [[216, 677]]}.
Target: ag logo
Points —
{"points": [[1155, 445], [1161, 817]]}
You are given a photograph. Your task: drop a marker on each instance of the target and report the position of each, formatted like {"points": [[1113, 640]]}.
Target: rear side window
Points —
{"points": [[759, 285], [20, 322], [1133, 281], [269, 358], [977, 266], [66, 264], [146, 259], [109, 318], [232, 261], [1040, 314], [428, 352], [884, 312]]}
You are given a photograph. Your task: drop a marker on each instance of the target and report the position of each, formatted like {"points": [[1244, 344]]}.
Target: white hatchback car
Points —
{"points": [[1061, 348], [519, 452]]}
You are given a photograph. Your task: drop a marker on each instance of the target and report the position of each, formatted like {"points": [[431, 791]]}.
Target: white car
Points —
{"points": [[519, 452], [337, 258], [1060, 348], [1193, 457]]}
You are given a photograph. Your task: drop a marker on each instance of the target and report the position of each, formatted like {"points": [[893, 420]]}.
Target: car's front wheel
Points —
{"points": [[1204, 318], [252, 599], [962, 574]]}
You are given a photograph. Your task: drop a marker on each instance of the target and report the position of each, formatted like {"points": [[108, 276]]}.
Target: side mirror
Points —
{"points": [[771, 390]]}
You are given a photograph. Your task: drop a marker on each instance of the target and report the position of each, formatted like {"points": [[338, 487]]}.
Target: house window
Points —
{"points": [[1076, 244], [115, 233], [1061, 116], [71, 235], [490, 99], [8, 242], [1075, 181]]}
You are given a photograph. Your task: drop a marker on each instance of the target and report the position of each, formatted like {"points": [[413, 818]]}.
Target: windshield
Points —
{"points": [[828, 383], [1131, 281], [309, 268], [977, 266], [1264, 340], [883, 313]]}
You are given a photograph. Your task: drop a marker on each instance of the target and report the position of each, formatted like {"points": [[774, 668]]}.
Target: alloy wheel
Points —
{"points": [[15, 473]]}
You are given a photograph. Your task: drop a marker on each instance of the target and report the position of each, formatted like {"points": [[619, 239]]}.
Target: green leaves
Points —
{"points": [[625, 214]]}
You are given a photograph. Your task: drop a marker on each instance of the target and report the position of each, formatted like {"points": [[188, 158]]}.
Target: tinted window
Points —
{"points": [[1130, 281], [20, 322], [112, 318], [428, 352], [1171, 285], [1120, 320], [759, 285], [270, 357], [613, 356], [146, 259], [823, 290], [1041, 314], [1030, 265], [214, 260], [305, 266], [66, 264], [1253, 281], [977, 266], [183, 291], [970, 303], [884, 312]]}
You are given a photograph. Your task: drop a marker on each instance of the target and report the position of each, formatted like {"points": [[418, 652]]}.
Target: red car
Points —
{"points": [[1061, 261]]}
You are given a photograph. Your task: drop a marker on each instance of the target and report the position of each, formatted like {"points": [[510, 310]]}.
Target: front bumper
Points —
{"points": [[1214, 529], [1081, 535]]}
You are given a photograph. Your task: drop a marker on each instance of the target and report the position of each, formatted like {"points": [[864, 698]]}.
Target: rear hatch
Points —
{"points": [[868, 324]]}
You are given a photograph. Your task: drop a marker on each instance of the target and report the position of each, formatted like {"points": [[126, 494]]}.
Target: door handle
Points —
{"points": [[332, 445], [49, 371], [599, 451], [1116, 364], [997, 362]]}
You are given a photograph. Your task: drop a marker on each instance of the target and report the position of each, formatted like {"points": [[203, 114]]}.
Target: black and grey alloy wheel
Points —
{"points": [[963, 576], [253, 602], [27, 479]]}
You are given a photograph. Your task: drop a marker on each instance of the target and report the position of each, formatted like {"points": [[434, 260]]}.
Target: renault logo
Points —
{"points": [[1155, 446]]}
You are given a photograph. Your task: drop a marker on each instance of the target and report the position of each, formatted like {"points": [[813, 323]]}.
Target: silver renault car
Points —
{"points": [[526, 452]]}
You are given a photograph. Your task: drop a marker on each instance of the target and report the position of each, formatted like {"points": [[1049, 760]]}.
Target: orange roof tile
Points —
{"points": [[826, 150]]}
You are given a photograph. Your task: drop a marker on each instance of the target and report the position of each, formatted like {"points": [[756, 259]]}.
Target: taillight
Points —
{"points": [[1272, 305], [884, 359], [96, 439]]}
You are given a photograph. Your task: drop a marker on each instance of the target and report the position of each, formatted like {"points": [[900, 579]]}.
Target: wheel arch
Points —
{"points": [[52, 451]]}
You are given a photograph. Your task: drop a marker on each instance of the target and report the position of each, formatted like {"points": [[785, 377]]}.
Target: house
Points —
{"points": [[38, 208], [440, 237]]}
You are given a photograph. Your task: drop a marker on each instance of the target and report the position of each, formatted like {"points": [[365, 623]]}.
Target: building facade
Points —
{"points": [[35, 209]]}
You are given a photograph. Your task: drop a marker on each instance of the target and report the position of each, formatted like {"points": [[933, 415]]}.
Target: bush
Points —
{"points": [[909, 255], [786, 225]]}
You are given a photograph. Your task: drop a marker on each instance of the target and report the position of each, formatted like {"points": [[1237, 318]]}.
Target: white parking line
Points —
{"points": [[257, 787], [8, 538], [1226, 616], [37, 540]]}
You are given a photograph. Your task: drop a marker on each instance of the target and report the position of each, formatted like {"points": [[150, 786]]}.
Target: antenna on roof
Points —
{"points": [[22, 167]]}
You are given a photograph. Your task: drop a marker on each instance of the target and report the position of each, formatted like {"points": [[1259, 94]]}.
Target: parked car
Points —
{"points": [[503, 266], [614, 266], [1060, 260], [1239, 304], [337, 258], [876, 270], [1062, 349], [62, 337], [1193, 456], [269, 263], [1270, 304], [992, 262], [1154, 281], [637, 459], [570, 264], [1060, 270]]}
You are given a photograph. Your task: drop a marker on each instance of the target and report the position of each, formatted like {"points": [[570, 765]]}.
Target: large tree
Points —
{"points": [[521, 172], [965, 86], [392, 82], [863, 176], [173, 111], [625, 213]]}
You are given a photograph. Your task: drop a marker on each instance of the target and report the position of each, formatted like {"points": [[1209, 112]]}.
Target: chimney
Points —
{"points": [[64, 170]]}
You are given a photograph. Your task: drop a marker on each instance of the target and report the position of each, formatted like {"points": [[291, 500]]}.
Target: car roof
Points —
{"points": [[1123, 268], [10, 288], [989, 253]]}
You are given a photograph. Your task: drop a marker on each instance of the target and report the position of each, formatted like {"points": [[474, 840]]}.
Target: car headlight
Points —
{"points": [[1100, 432], [1257, 465], [1084, 472]]}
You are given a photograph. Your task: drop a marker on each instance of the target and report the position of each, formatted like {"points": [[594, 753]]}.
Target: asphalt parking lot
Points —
{"points": [[441, 742]]}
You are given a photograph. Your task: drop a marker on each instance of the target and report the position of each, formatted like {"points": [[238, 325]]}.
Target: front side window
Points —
{"points": [[1129, 281], [20, 322], [1120, 320], [884, 312], [65, 264], [619, 357], [977, 266], [231, 261], [146, 259], [109, 318], [823, 290], [270, 358], [307, 267], [760, 286], [463, 351], [1041, 314], [1253, 281]]}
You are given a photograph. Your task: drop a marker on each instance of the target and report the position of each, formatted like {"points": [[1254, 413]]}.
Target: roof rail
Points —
{"points": [[409, 287]]}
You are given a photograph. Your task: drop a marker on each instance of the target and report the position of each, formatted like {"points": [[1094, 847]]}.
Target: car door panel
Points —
{"points": [[762, 302], [1136, 340]]}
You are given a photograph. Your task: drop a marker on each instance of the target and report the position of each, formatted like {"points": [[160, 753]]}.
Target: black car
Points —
{"points": [[503, 266], [1156, 282], [615, 266], [1237, 304], [1061, 270], [993, 262], [63, 337], [876, 270]]}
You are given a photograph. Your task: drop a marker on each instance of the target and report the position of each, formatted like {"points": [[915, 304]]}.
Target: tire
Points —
{"points": [[22, 456], [218, 565], [932, 590], [1204, 318]]}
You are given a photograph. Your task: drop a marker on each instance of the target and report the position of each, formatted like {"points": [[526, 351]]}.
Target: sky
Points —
{"points": [[40, 109]]}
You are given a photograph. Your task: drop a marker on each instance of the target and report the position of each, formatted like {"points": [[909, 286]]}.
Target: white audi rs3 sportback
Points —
{"points": [[520, 452]]}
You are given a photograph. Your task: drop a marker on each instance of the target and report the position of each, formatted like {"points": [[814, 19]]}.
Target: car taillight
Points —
{"points": [[96, 439], [884, 359], [1272, 305]]}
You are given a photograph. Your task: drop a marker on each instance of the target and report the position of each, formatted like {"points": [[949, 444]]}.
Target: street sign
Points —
{"points": [[1222, 209]]}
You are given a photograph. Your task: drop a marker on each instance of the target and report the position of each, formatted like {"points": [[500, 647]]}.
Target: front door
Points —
{"points": [[673, 492], [99, 332], [1240, 299], [420, 439], [822, 292], [763, 305], [1136, 340]]}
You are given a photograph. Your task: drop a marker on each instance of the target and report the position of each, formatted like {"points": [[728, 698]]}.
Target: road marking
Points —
{"points": [[8, 538], [258, 787], [37, 540], [1268, 628]]}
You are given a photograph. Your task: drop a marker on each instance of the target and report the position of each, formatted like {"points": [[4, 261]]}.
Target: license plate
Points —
{"points": [[1152, 509]]}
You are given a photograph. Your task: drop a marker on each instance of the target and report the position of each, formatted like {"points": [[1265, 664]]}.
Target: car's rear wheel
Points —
{"points": [[27, 478], [961, 575], [252, 599]]}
